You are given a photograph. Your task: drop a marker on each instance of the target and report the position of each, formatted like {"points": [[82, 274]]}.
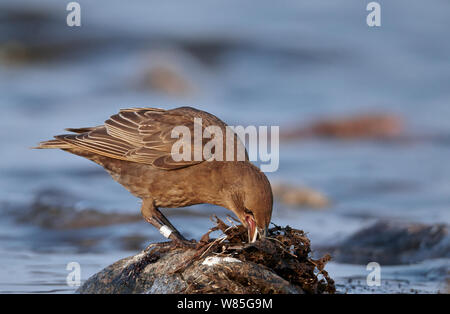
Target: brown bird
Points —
{"points": [[135, 147]]}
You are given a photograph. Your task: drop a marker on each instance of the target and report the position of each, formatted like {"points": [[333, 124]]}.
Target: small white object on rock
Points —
{"points": [[213, 260], [135, 259]]}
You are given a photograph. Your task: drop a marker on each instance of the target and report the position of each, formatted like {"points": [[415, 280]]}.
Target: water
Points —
{"points": [[247, 64]]}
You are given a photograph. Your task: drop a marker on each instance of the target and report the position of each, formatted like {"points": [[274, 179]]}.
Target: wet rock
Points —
{"points": [[132, 242], [168, 80], [37, 33], [365, 126], [299, 196], [25, 35], [391, 243], [53, 209], [55, 217], [279, 263], [169, 71]]}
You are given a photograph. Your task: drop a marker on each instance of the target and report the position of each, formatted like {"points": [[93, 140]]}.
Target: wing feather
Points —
{"points": [[143, 135]]}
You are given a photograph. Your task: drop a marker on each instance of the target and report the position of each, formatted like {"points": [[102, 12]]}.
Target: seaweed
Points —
{"points": [[285, 251]]}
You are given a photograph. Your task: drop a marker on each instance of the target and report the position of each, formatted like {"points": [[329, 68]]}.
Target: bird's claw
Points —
{"points": [[184, 242]]}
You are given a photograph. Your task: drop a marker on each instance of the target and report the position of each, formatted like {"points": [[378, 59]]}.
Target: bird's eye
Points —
{"points": [[247, 211]]}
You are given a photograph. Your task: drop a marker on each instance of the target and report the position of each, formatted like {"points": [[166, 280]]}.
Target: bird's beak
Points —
{"points": [[253, 235], [252, 229]]}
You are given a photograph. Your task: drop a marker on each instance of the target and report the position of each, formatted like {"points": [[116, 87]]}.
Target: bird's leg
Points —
{"points": [[152, 215]]}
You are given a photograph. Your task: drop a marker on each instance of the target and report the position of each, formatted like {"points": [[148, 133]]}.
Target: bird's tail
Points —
{"points": [[82, 130], [52, 144], [57, 143]]}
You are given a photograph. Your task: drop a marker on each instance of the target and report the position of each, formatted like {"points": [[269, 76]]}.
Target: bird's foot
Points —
{"points": [[182, 242]]}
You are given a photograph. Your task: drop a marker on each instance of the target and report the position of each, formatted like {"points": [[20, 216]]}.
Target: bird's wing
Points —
{"points": [[144, 135]]}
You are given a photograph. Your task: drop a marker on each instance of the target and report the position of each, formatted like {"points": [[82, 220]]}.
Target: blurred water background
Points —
{"points": [[249, 63]]}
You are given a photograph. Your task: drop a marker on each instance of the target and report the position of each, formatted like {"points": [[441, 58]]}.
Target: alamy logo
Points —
{"points": [[374, 277], [73, 279], [374, 17], [74, 17], [210, 143]]}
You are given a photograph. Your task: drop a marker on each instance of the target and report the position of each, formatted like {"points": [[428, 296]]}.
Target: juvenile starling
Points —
{"points": [[135, 147]]}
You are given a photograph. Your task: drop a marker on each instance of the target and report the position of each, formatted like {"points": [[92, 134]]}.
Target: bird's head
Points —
{"points": [[252, 202]]}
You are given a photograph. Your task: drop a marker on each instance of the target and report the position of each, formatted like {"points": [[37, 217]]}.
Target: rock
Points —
{"points": [[32, 34], [169, 71], [299, 196], [277, 264], [167, 79], [54, 209], [159, 276], [368, 126], [391, 243], [132, 242]]}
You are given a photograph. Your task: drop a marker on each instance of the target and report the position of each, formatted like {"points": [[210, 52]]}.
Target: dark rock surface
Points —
{"points": [[363, 126], [392, 243], [299, 196], [55, 209]]}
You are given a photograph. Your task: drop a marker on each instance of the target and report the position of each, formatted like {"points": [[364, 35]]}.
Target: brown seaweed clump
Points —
{"points": [[285, 251]]}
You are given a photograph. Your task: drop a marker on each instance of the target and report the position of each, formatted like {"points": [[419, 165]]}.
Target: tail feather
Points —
{"points": [[82, 130], [59, 143], [52, 144]]}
